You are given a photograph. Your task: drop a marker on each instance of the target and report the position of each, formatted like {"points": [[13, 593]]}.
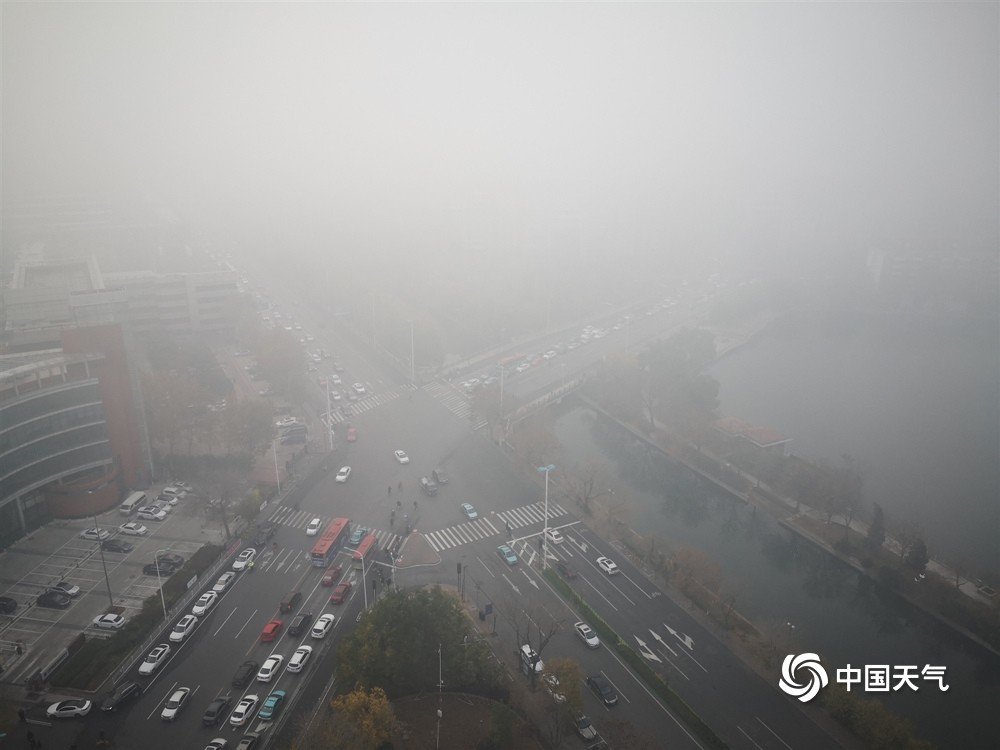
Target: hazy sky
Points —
{"points": [[563, 131]]}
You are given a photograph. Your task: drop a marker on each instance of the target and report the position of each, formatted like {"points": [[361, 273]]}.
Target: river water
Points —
{"points": [[780, 579], [915, 402]]}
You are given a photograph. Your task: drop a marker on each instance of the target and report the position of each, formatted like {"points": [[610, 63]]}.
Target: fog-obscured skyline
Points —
{"points": [[519, 133]]}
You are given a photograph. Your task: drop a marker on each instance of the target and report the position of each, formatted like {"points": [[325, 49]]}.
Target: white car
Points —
{"points": [[554, 536], [322, 626], [343, 474], [471, 513], [244, 710], [133, 529], [204, 603], [95, 534], [109, 622], [156, 659], [587, 634], [299, 659], [270, 668], [174, 705], [244, 558], [287, 422], [359, 389], [184, 627], [184, 486], [313, 528], [151, 514], [550, 354], [68, 708], [607, 565], [402, 457], [529, 656], [224, 580], [174, 490]]}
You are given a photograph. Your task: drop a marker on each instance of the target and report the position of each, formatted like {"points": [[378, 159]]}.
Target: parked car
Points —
{"points": [[300, 623], [219, 743], [95, 534], [133, 529], [109, 622], [184, 627], [294, 439], [151, 513], [121, 694], [216, 710], [244, 558], [584, 728], [175, 703], [248, 741], [607, 565], [264, 534], [439, 476], [163, 569], [53, 600], [7, 605], [530, 658], [155, 659], [65, 587], [322, 626], [117, 545], [68, 709], [244, 672], [551, 683], [204, 603], [224, 581]]}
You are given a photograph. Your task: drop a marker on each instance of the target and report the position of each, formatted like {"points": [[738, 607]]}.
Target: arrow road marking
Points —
{"points": [[663, 643], [516, 589], [530, 579], [645, 651], [683, 638]]}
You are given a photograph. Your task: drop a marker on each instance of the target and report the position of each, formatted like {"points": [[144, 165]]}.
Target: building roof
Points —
{"points": [[764, 437]]}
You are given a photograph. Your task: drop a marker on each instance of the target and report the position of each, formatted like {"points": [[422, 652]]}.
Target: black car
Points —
{"points": [[264, 535], [171, 557], [7, 605], [54, 600], [439, 476], [300, 623], [294, 439], [430, 489], [216, 711], [123, 693], [245, 673], [602, 689], [117, 545], [565, 569], [163, 570], [248, 741]]}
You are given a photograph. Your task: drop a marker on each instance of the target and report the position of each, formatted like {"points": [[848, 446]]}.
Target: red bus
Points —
{"points": [[325, 549], [510, 360], [364, 551]]}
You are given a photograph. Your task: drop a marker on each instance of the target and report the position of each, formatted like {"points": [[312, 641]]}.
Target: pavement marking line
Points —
{"points": [[223, 623], [157, 705], [486, 566], [601, 595], [238, 632], [743, 732], [493, 528], [615, 686], [773, 732]]}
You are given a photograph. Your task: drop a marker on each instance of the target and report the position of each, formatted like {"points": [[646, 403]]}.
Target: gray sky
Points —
{"points": [[549, 132]]}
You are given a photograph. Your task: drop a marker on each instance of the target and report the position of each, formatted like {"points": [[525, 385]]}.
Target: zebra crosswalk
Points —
{"points": [[368, 403], [463, 533], [283, 515], [481, 528], [453, 401]]}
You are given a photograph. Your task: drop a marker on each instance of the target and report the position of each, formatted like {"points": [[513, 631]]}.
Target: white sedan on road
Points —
{"points": [[109, 622], [607, 565], [402, 457], [133, 529], [244, 558], [313, 528], [343, 474], [204, 603]]}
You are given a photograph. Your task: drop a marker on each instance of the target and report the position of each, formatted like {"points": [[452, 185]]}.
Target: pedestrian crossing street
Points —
{"points": [[370, 402], [481, 528], [283, 515], [453, 401]]}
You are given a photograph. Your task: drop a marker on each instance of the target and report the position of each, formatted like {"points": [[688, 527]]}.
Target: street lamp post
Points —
{"points": [[413, 361], [104, 565], [545, 530], [159, 583]]}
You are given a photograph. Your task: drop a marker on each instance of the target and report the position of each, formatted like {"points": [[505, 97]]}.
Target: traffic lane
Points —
{"points": [[701, 668], [637, 706]]}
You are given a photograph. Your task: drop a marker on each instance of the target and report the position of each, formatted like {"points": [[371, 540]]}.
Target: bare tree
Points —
{"points": [[583, 483]]}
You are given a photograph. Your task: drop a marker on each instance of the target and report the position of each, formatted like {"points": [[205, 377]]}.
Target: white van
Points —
{"points": [[132, 503]]}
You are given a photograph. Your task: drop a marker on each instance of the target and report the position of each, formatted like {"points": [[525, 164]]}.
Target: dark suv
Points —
{"points": [[245, 673], [439, 476], [264, 535], [300, 623], [430, 489], [123, 693], [164, 569], [565, 569], [216, 710]]}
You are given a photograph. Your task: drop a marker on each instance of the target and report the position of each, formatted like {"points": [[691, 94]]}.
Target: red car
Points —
{"points": [[352, 434], [340, 593], [271, 631], [331, 576]]}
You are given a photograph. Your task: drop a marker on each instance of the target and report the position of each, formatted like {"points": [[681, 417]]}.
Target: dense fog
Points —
{"points": [[504, 141]]}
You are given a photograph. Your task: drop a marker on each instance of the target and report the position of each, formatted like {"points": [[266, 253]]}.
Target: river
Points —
{"points": [[781, 579]]}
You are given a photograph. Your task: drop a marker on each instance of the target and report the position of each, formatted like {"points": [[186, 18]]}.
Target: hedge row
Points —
{"points": [[89, 666], [656, 683]]}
